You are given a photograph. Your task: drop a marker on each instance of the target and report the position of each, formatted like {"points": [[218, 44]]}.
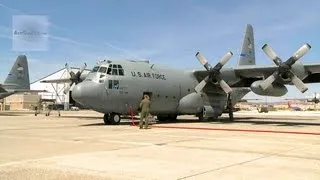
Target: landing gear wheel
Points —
{"points": [[106, 119], [229, 107], [161, 118], [200, 116], [114, 118], [173, 117]]}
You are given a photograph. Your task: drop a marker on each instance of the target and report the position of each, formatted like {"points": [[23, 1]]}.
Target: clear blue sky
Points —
{"points": [[167, 32]]}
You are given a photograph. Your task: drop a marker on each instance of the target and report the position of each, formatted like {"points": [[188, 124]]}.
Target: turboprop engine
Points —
{"points": [[191, 103], [274, 89], [288, 70]]}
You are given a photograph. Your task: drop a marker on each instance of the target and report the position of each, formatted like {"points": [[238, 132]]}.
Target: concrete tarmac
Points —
{"points": [[78, 145]]}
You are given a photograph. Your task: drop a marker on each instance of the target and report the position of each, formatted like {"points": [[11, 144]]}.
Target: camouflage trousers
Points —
{"points": [[144, 118]]}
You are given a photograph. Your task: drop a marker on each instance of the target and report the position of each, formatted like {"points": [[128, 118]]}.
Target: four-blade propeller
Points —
{"points": [[284, 69], [74, 77], [214, 72]]}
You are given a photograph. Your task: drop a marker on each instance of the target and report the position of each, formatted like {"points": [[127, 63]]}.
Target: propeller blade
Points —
{"points": [[201, 85], [271, 54], [69, 70], [225, 87], [203, 61], [66, 90], [82, 68], [299, 84], [267, 82], [226, 58], [223, 61], [302, 51], [298, 54]]}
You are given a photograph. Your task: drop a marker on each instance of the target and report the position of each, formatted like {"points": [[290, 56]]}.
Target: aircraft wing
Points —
{"points": [[2, 89], [313, 71], [244, 76], [59, 81]]}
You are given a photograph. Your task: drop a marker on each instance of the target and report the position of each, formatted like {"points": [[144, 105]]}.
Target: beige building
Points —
{"points": [[22, 101]]}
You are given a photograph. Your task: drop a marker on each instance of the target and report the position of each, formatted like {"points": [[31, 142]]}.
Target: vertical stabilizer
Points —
{"points": [[247, 55], [18, 78]]}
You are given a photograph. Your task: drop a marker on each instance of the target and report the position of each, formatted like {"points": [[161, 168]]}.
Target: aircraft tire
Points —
{"points": [[231, 116], [114, 118], [173, 117], [200, 116], [106, 119], [161, 118]]}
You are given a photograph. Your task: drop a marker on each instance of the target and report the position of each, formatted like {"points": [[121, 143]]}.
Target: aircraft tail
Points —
{"points": [[247, 55], [18, 78]]}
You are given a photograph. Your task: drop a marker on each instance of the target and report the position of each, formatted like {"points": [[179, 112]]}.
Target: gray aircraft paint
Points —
{"points": [[17, 79], [167, 86], [247, 55], [167, 91]]}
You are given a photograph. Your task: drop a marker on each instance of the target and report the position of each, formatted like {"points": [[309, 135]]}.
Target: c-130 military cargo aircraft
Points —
{"points": [[113, 87], [17, 80]]}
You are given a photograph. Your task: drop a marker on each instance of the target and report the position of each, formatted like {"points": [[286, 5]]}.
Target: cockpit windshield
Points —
{"points": [[99, 69], [111, 69], [103, 69], [95, 69]]}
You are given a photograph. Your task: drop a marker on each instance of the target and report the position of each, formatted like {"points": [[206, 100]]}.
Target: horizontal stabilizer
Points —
{"points": [[28, 90], [2, 90], [59, 81]]}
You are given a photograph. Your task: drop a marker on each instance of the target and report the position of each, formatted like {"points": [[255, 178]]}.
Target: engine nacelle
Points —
{"points": [[208, 112], [275, 89], [191, 103]]}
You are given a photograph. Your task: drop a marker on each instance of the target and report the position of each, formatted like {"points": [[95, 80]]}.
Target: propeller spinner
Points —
{"points": [[214, 72]]}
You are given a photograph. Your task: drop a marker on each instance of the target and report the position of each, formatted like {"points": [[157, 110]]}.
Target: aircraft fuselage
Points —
{"points": [[119, 89]]}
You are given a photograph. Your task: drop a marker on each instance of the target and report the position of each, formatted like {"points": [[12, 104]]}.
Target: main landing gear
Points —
{"points": [[229, 107], [112, 118], [172, 117]]}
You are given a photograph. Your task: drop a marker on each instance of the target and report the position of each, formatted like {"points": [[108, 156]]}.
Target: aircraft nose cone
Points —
{"points": [[85, 93], [77, 92]]}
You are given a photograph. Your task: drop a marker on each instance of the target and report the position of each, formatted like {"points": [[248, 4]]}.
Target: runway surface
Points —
{"points": [[78, 145]]}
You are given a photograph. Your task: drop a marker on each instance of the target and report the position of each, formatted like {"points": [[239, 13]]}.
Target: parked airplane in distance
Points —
{"points": [[294, 107], [17, 80], [116, 87]]}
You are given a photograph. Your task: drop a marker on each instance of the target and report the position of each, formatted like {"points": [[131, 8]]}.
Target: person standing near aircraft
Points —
{"points": [[145, 111]]}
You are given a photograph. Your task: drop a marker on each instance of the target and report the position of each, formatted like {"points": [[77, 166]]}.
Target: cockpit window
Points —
{"points": [[103, 69], [95, 69], [121, 72], [109, 70], [115, 69]]}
